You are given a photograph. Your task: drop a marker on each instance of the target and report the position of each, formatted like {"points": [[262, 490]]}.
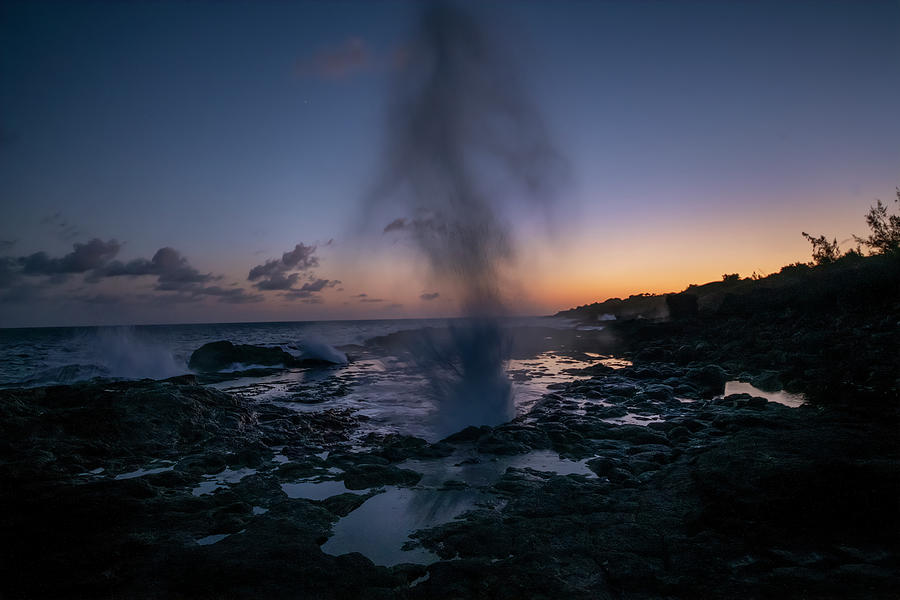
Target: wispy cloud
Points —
{"points": [[337, 61], [283, 274], [273, 272]]}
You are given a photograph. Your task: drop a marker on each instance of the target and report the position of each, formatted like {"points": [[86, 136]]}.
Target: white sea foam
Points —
{"points": [[126, 353], [316, 348]]}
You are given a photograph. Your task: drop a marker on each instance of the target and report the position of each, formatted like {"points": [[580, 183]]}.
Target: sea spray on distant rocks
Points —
{"points": [[314, 348], [465, 151], [114, 352], [128, 354]]}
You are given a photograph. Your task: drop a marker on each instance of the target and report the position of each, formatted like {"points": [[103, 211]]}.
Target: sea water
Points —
{"points": [[380, 383]]}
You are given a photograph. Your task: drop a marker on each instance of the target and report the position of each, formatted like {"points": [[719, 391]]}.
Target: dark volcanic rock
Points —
{"points": [[216, 356], [89, 423], [87, 534], [710, 380], [343, 504], [362, 476], [513, 439], [681, 305], [767, 511]]}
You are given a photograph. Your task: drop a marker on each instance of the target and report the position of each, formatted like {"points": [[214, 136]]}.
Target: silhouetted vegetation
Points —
{"points": [[824, 252], [885, 236], [829, 329]]}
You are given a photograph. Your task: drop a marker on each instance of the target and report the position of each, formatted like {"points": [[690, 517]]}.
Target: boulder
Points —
{"points": [[709, 380], [216, 356]]}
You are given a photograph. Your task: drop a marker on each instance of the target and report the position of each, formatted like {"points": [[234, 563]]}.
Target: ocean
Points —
{"points": [[381, 382]]}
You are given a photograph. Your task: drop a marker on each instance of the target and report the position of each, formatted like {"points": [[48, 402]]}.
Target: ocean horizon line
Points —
{"points": [[200, 323]]}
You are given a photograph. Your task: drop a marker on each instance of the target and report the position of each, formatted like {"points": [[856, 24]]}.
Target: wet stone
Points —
{"points": [[362, 476]]}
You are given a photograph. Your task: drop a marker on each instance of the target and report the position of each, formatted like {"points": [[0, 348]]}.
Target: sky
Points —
{"points": [[169, 162]]}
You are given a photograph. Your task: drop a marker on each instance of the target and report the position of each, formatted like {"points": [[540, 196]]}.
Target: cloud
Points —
{"points": [[278, 281], [7, 245], [84, 257], [395, 225], [319, 284], [282, 274], [372, 300], [172, 267], [360, 295], [297, 294], [304, 296], [309, 291], [172, 270], [339, 61], [429, 296], [301, 258], [179, 281], [265, 270], [232, 295], [174, 273]]}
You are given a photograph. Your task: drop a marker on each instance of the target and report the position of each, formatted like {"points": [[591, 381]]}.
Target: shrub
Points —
{"points": [[824, 252], [885, 236]]}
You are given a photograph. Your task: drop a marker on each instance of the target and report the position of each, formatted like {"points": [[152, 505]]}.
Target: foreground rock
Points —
{"points": [[758, 501], [167, 489], [156, 489]]}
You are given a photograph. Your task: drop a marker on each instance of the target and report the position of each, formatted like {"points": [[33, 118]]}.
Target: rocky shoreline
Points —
{"points": [[156, 489]]}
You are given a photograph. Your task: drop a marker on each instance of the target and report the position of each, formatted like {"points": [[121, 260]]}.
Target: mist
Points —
{"points": [[465, 151]]}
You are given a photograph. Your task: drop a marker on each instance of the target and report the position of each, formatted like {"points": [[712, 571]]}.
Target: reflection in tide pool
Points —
{"points": [[381, 526], [477, 472], [212, 539], [316, 490], [781, 397], [449, 487], [532, 376], [141, 472], [213, 482]]}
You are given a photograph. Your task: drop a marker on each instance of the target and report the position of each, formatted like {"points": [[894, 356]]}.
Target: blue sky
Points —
{"points": [[702, 137]]}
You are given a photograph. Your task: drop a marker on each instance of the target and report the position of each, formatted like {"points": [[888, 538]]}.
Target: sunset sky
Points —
{"points": [[206, 162]]}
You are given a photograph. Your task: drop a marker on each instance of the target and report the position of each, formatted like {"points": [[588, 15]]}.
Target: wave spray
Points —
{"points": [[465, 151]]}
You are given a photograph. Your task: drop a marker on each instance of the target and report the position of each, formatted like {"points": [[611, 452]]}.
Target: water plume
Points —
{"points": [[465, 151]]}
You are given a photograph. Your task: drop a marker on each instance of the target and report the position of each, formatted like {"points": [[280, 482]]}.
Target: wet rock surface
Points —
{"points": [[171, 489], [215, 356]]}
